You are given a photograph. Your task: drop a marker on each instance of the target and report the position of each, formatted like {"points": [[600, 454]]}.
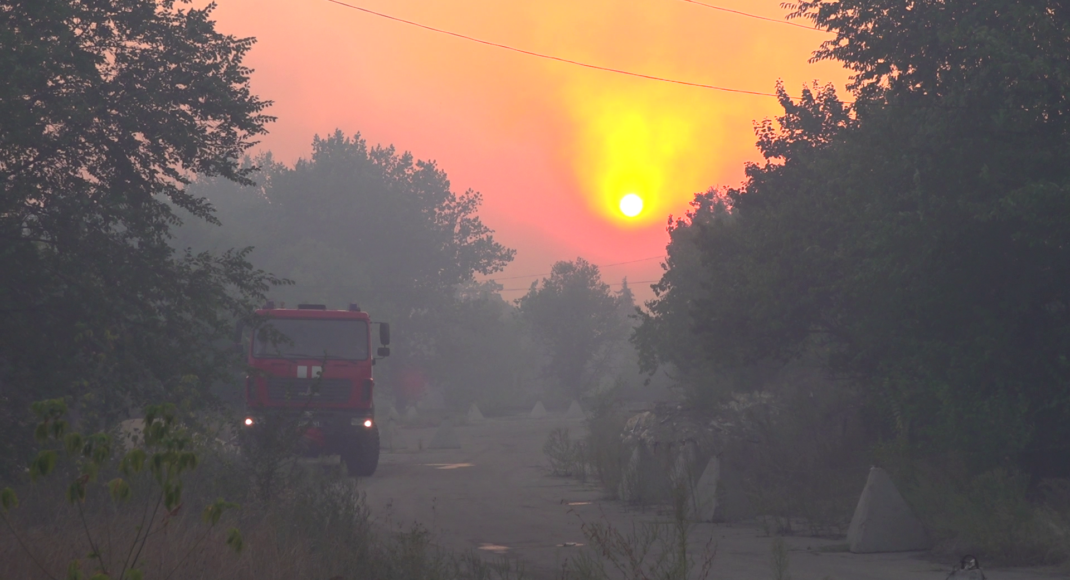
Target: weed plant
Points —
{"points": [[606, 454], [996, 515], [318, 526], [647, 550], [779, 562], [567, 457], [315, 524]]}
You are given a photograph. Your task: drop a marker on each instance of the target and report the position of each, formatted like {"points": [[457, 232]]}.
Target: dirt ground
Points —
{"points": [[496, 495]]}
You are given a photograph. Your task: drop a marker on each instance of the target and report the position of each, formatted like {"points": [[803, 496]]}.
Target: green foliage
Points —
{"points": [[649, 550], [428, 238], [325, 517], [133, 461], [43, 464], [567, 457], [234, 540], [968, 54], [269, 452], [166, 450], [993, 514], [369, 225], [914, 242], [109, 109], [664, 339], [483, 352], [582, 325], [606, 452], [8, 499], [779, 562], [214, 511], [318, 527], [119, 489]]}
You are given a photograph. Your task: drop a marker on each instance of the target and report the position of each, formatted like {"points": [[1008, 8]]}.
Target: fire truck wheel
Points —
{"points": [[362, 455]]}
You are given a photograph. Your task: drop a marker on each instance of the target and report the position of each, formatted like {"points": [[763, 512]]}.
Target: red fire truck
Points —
{"points": [[313, 367]]}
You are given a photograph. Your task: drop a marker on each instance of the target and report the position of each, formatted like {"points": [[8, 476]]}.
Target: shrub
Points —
{"points": [[797, 454], [150, 473], [994, 514], [648, 550], [315, 525], [606, 453], [567, 457]]}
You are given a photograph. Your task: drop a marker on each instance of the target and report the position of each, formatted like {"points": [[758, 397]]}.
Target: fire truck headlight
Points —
{"points": [[248, 421], [366, 423]]}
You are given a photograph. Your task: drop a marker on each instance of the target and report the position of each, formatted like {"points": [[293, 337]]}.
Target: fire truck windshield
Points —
{"points": [[312, 338]]}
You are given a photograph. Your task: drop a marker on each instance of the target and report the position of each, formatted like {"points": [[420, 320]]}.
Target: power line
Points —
{"points": [[603, 266], [613, 284], [748, 15], [551, 57]]}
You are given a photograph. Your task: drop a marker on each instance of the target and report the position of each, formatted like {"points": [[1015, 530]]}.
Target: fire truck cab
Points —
{"points": [[312, 367]]}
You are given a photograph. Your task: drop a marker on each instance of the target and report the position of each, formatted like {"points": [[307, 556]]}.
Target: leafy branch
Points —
{"points": [[163, 454]]}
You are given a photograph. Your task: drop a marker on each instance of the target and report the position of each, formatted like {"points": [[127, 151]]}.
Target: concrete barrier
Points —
{"points": [[538, 411], [575, 411], [389, 413], [883, 522], [390, 435], [433, 400], [474, 415], [445, 437], [703, 506]]}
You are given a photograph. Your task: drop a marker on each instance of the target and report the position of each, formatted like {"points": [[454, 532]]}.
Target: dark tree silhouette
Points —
{"points": [[108, 109], [579, 322]]}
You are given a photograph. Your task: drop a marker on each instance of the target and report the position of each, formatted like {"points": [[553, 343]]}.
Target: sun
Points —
{"points": [[631, 205]]}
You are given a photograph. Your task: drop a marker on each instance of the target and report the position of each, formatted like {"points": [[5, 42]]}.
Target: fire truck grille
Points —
{"points": [[300, 390]]}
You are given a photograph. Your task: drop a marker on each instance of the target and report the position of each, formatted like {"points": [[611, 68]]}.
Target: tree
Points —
{"points": [[663, 338], [363, 224], [482, 351], [578, 320], [368, 225], [974, 99], [914, 241], [109, 108]]}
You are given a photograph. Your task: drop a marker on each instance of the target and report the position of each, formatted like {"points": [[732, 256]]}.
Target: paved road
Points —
{"points": [[495, 494]]}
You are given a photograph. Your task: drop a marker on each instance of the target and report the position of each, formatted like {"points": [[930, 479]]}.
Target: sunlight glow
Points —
{"points": [[631, 205], [629, 141]]}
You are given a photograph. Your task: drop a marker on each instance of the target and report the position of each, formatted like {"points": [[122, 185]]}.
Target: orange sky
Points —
{"points": [[552, 147]]}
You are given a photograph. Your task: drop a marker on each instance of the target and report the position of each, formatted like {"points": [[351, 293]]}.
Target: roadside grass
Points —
{"points": [[996, 515], [647, 550], [317, 526], [567, 457], [796, 479], [779, 562]]}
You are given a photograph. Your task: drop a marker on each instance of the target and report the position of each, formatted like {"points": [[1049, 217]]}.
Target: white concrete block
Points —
{"points": [[445, 437], [704, 494], [538, 411], [474, 415], [574, 411], [883, 522]]}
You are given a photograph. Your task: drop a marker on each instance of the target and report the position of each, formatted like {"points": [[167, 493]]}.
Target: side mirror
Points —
{"points": [[384, 334], [384, 351], [239, 331]]}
